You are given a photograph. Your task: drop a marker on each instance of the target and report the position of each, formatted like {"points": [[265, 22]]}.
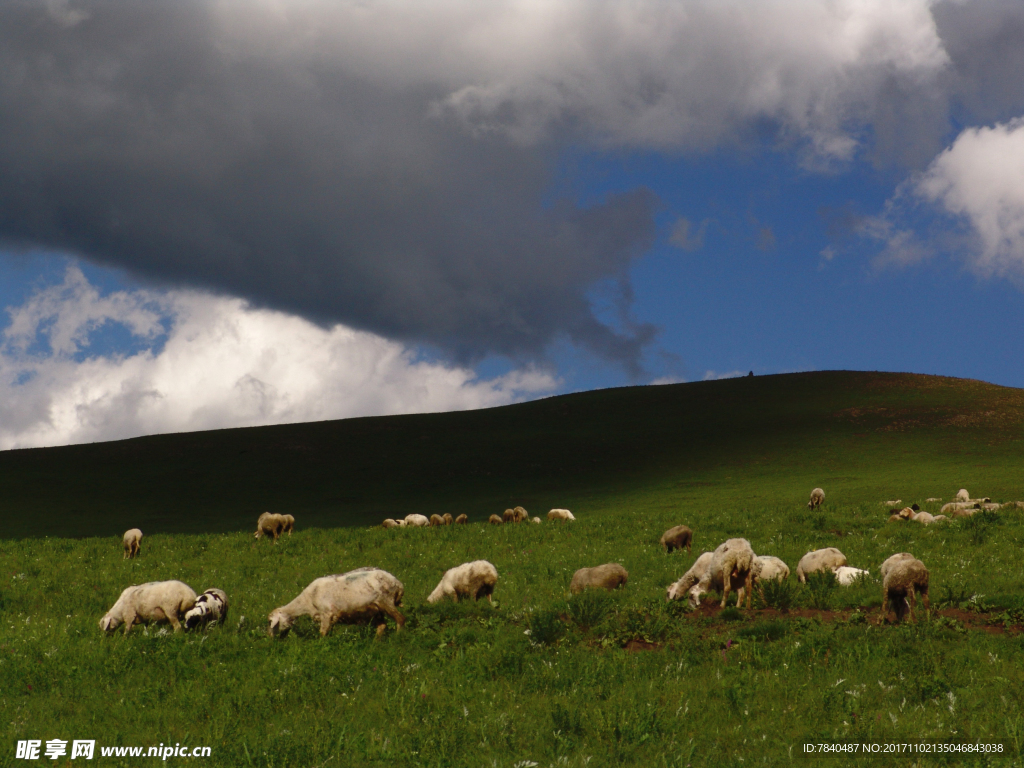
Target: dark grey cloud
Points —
{"points": [[143, 136]]}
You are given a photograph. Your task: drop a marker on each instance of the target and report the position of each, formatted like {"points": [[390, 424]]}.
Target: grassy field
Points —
{"points": [[538, 679]]}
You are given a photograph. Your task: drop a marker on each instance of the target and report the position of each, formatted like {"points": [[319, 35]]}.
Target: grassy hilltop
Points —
{"points": [[538, 679]]}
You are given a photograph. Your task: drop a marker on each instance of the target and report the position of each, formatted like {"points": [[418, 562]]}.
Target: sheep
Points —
{"points": [[846, 575], [211, 607], [733, 566], [461, 520], [677, 590], [132, 539], [956, 507], [770, 568], [365, 594], [905, 577], [535, 520], [892, 503], [817, 498], [933, 498], [922, 517], [963, 495], [417, 521], [895, 518], [560, 514], [508, 516], [475, 580], [608, 576], [157, 601], [448, 519], [289, 524], [676, 538], [436, 520], [521, 515], [389, 523], [829, 559], [890, 562], [269, 524], [495, 520]]}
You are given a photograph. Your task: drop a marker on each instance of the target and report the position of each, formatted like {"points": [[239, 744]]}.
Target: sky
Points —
{"points": [[220, 213]]}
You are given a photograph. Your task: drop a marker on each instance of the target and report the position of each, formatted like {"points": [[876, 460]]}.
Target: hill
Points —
{"points": [[858, 434]]}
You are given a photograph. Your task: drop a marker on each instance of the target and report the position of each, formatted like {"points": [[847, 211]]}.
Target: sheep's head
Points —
{"points": [[694, 596], [109, 623], [280, 623]]}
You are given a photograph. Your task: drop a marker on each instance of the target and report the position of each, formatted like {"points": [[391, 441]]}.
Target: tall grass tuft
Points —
{"points": [[821, 589], [589, 608], [546, 627], [779, 594]]}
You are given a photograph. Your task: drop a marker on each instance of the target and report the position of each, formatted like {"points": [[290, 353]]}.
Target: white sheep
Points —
{"points": [[270, 524], [892, 503], [817, 499], [905, 577], [890, 562], [963, 495], [476, 580], [934, 498], [560, 514], [679, 589], [608, 576], [365, 594], [495, 520], [417, 521], [521, 515], [156, 601], [389, 523], [289, 523], [920, 517], [535, 520], [733, 566], [827, 559], [211, 607], [770, 568], [846, 575], [132, 539], [461, 520], [435, 521]]}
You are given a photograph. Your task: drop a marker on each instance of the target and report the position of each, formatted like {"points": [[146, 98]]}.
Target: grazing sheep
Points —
{"points": [[156, 601], [905, 577], [770, 568], [922, 517], [846, 575], [817, 498], [289, 524], [733, 566], [892, 503], [362, 595], [389, 523], [211, 608], [934, 498], [417, 521], [560, 514], [495, 520], [608, 576], [535, 520], [475, 580], [508, 516], [269, 524], [963, 495], [448, 519], [678, 590], [461, 520], [827, 559], [132, 539], [676, 538], [436, 520], [521, 515]]}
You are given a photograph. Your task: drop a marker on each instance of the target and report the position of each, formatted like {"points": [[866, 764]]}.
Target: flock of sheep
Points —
{"points": [[368, 595]]}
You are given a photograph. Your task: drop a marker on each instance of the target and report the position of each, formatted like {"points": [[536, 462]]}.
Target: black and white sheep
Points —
{"points": [[476, 580], [677, 537], [362, 595], [211, 607], [608, 576], [132, 539], [156, 601]]}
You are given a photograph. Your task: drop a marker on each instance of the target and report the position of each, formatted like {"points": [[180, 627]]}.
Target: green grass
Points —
{"points": [[593, 680]]}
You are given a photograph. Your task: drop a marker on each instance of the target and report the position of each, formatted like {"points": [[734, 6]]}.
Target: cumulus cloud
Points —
{"points": [[387, 164], [207, 362]]}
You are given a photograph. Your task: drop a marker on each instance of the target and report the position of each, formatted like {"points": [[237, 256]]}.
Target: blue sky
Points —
{"points": [[476, 206]]}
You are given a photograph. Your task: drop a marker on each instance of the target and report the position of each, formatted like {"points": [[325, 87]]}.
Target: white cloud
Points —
{"points": [[980, 178], [221, 364]]}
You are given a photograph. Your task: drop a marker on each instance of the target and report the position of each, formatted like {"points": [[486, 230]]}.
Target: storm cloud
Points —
{"points": [[389, 165]]}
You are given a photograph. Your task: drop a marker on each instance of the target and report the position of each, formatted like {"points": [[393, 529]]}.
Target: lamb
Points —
{"points": [[846, 575], [269, 524], [132, 539], [448, 519], [157, 601], [508, 516], [211, 608], [608, 576], [436, 520], [560, 514], [417, 521], [495, 520], [817, 498], [691, 577], [733, 566], [475, 580], [289, 524], [906, 577], [827, 559], [676, 538], [461, 520], [365, 594], [770, 568], [963, 495]]}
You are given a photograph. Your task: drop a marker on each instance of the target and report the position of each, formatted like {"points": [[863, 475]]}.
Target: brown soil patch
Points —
{"points": [[634, 646], [970, 619]]}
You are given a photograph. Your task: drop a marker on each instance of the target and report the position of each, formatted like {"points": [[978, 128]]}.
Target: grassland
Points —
{"points": [[538, 678]]}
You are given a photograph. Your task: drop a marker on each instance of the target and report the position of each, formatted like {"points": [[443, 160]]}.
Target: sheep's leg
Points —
{"points": [[725, 590], [325, 624], [885, 604], [391, 611], [749, 587], [173, 618], [129, 619]]}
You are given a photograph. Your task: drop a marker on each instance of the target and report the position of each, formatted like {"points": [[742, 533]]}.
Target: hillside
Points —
{"points": [[858, 434]]}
